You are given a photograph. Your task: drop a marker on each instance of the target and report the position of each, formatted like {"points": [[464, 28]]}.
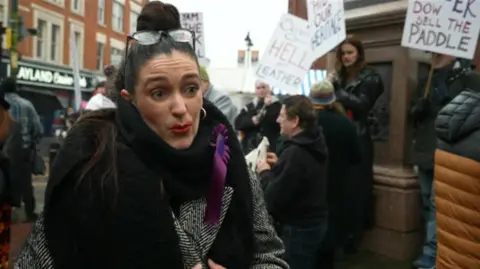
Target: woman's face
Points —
{"points": [[349, 55], [169, 99]]}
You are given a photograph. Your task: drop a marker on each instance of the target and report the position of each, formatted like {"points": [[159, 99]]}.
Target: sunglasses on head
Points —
{"points": [[147, 38]]}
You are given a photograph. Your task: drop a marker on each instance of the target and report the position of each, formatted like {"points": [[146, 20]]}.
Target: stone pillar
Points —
{"points": [[398, 229]]}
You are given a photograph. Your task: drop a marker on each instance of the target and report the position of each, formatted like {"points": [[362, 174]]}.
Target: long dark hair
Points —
{"points": [[154, 14], [359, 64]]}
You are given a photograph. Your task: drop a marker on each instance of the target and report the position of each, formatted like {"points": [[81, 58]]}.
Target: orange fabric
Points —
{"points": [[457, 200]]}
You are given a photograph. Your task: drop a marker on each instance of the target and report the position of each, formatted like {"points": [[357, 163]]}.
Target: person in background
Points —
{"points": [[218, 98], [99, 99], [448, 80], [11, 150], [357, 88], [343, 153], [295, 183], [457, 182], [259, 118], [23, 112]]}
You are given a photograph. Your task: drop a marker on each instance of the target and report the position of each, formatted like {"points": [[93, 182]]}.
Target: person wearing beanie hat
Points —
{"points": [[343, 150], [220, 99]]}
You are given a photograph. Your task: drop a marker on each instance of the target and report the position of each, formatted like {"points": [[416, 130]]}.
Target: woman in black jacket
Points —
{"points": [[295, 185], [357, 88], [158, 182]]}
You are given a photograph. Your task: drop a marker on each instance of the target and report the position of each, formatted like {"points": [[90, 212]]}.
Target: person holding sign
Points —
{"points": [[295, 183], [446, 80], [258, 119], [357, 88]]}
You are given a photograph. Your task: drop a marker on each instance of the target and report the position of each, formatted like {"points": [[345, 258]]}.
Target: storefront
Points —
{"points": [[49, 88]]}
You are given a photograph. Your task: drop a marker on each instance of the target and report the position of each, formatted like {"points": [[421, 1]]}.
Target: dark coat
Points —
{"points": [[343, 152], [11, 160], [359, 97], [296, 186], [268, 126], [423, 117]]}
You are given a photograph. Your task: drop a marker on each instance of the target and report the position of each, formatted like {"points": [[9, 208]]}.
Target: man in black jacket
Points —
{"points": [[450, 78], [258, 119], [295, 186]]}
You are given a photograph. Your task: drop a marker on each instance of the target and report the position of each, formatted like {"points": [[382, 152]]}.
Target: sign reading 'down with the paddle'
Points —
{"points": [[448, 27], [193, 21], [287, 58]]}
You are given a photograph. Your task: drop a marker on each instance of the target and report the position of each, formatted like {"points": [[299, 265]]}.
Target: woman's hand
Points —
{"points": [[272, 158], [211, 265], [262, 166]]}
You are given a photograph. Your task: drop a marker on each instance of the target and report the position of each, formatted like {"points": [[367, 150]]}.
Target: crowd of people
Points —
{"points": [[152, 173]]}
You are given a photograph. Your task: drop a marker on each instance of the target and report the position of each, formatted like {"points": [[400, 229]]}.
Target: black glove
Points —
{"points": [[421, 109]]}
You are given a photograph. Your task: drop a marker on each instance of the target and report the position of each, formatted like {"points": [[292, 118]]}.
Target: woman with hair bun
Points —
{"points": [[158, 182]]}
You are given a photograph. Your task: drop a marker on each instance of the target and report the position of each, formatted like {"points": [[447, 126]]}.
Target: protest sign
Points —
{"points": [[287, 58], [193, 21], [448, 27], [326, 20], [260, 153]]}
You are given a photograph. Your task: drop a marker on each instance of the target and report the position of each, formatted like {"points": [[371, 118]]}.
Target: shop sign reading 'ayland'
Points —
{"points": [[43, 76]]}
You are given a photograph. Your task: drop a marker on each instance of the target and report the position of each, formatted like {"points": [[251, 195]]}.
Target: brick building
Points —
{"points": [[45, 75]]}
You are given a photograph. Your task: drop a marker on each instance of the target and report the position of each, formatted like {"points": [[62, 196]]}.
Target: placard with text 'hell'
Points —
{"points": [[288, 57], [448, 27]]}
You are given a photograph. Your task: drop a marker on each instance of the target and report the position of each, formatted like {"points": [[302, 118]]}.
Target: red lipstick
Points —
{"points": [[181, 128]]}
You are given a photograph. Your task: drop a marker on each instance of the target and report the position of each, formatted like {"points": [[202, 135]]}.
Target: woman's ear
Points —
{"points": [[125, 95]]}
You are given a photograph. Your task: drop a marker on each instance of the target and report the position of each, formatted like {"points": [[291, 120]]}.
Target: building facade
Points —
{"points": [[99, 29]]}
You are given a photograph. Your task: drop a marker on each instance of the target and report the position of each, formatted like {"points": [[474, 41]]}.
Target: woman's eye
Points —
{"points": [[158, 94], [192, 90]]}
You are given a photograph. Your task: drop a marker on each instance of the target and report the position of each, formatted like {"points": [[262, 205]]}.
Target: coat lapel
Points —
{"points": [[195, 236]]}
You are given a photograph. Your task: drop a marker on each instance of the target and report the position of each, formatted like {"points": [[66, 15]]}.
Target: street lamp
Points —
{"points": [[248, 41]]}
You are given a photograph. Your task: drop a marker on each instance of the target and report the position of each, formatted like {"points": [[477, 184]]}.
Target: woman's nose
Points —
{"points": [[179, 107]]}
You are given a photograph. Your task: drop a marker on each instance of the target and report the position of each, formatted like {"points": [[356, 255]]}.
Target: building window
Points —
{"points": [[100, 55], [60, 3], [54, 43], [133, 21], [117, 17], [3, 14], [115, 56], [78, 40], [41, 35], [77, 6], [101, 12]]}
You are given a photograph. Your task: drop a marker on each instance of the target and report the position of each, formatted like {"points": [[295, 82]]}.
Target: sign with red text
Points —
{"points": [[448, 27], [327, 25], [193, 21], [288, 57]]}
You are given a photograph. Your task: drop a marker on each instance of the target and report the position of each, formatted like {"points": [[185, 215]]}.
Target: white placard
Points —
{"points": [[448, 27], [326, 19], [193, 21], [260, 153], [288, 57]]}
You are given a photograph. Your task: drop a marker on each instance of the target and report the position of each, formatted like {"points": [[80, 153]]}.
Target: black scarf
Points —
{"points": [[186, 175]]}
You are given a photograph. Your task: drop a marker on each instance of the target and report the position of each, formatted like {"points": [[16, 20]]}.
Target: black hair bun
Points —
{"points": [[158, 16]]}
